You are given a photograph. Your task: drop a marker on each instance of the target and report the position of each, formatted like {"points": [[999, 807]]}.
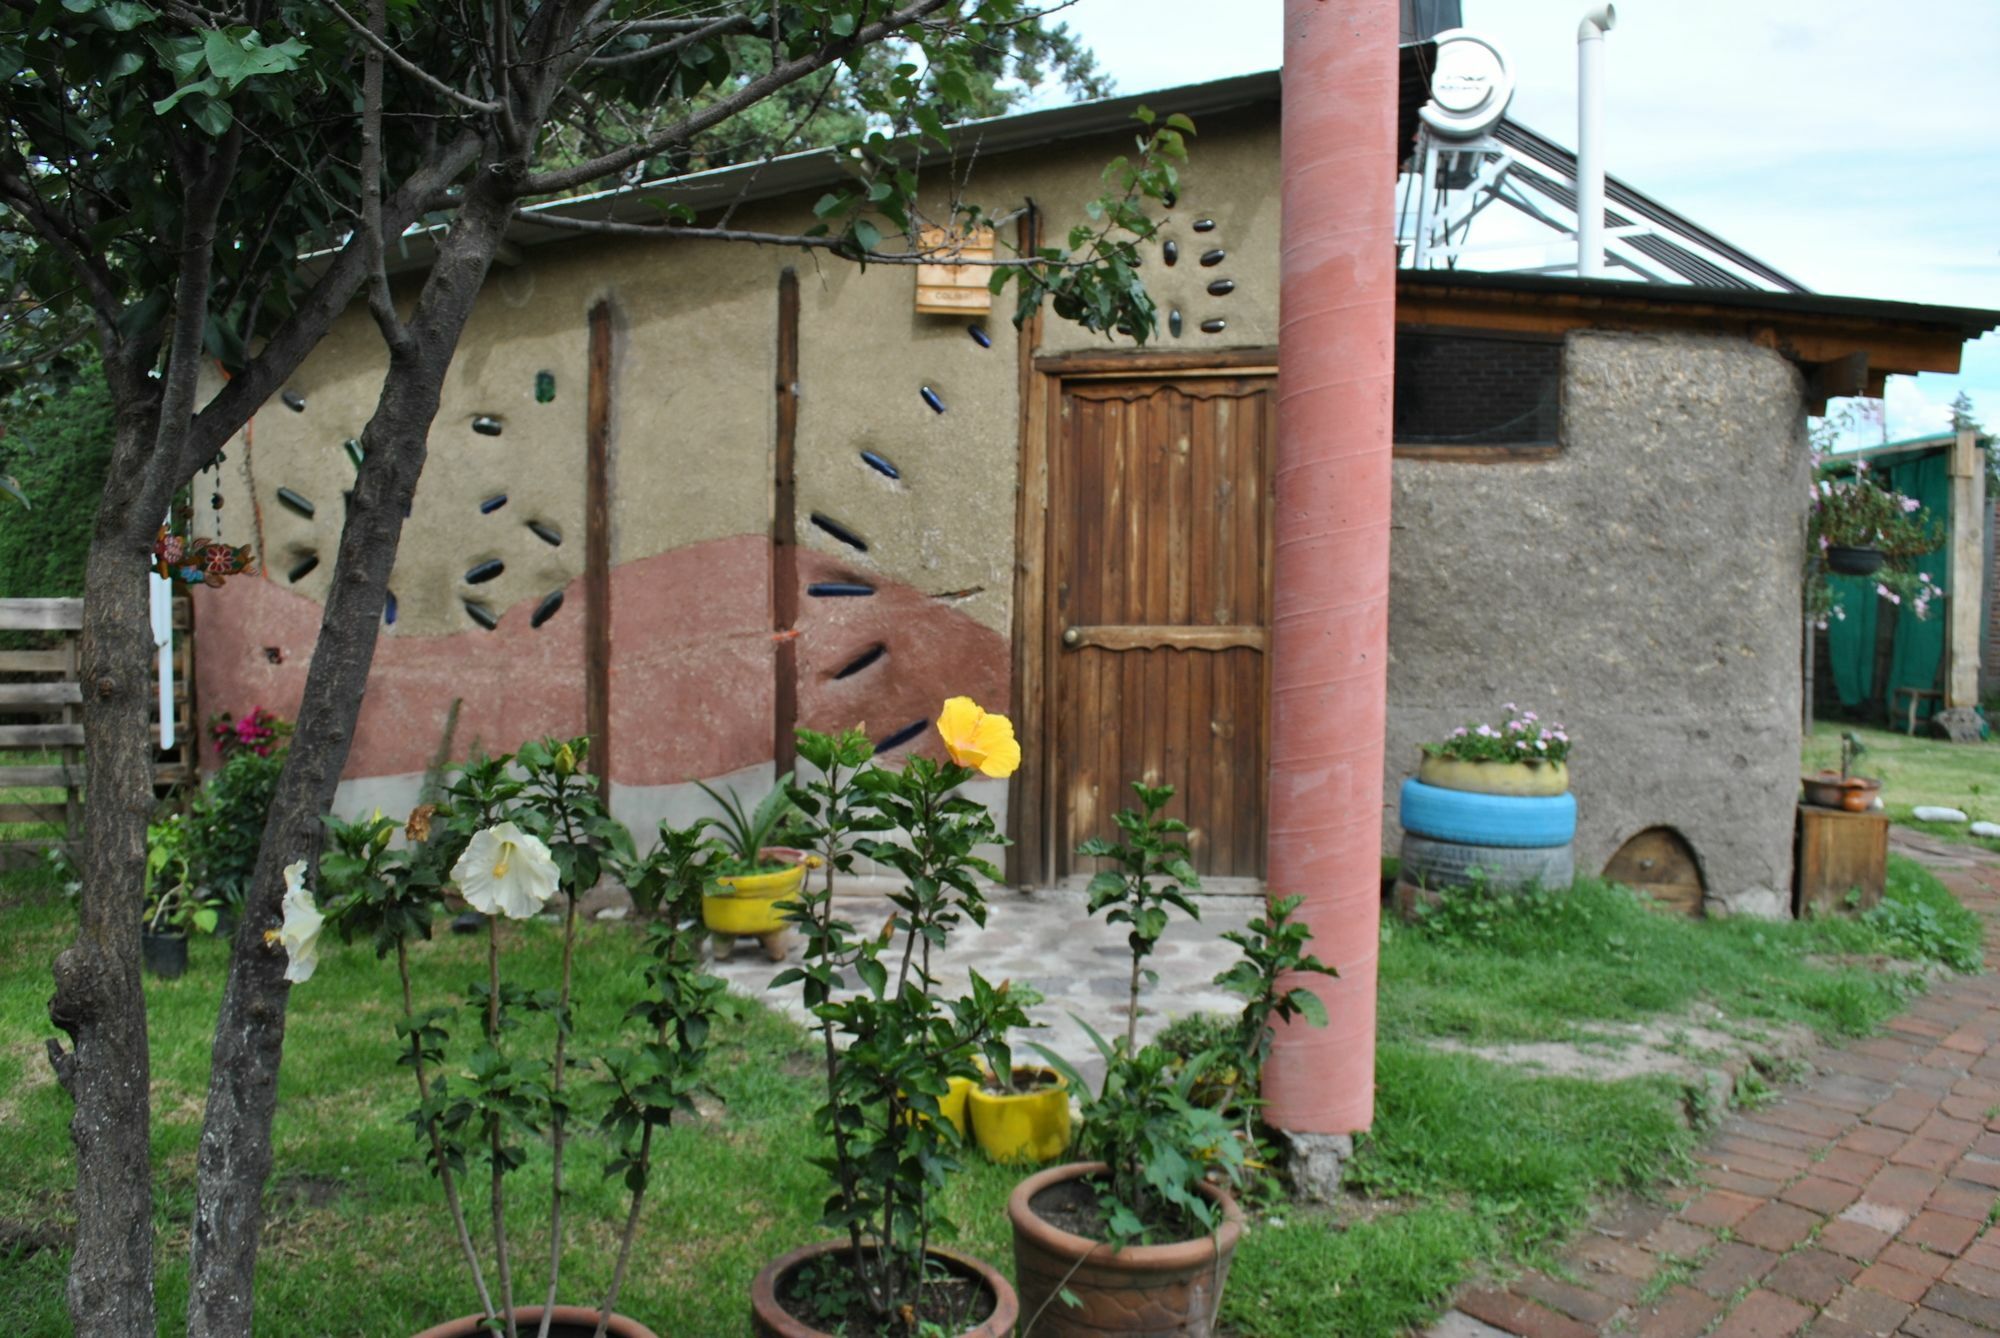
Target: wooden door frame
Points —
{"points": [[1031, 799]]}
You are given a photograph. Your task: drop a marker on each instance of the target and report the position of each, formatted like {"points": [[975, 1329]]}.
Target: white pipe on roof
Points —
{"points": [[1597, 21]]}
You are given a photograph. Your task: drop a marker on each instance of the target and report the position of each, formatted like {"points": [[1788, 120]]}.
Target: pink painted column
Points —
{"points": [[1330, 580]]}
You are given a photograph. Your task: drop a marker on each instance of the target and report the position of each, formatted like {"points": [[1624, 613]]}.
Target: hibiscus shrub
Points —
{"points": [[509, 833], [1519, 737]]}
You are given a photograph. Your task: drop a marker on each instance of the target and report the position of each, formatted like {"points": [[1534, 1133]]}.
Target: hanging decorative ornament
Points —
{"points": [[198, 561]]}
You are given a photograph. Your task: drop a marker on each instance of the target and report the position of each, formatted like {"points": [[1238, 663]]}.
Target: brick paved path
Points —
{"points": [[1860, 1203]]}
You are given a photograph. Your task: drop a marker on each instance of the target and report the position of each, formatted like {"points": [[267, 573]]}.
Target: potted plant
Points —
{"points": [[892, 1044], [1861, 527], [1843, 789], [755, 875], [173, 905], [1517, 756], [1138, 1235], [511, 833], [1020, 1113]]}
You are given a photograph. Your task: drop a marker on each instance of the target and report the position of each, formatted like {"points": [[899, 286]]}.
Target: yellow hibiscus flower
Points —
{"points": [[977, 738]]}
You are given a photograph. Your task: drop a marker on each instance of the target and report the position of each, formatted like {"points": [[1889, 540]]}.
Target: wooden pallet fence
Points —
{"points": [[41, 716]]}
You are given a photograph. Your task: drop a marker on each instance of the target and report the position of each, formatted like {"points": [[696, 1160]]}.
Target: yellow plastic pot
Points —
{"points": [[952, 1104], [1023, 1126], [748, 906], [1530, 779]]}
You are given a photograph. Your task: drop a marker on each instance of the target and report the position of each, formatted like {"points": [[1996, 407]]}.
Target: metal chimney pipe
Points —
{"points": [[1590, 139]]}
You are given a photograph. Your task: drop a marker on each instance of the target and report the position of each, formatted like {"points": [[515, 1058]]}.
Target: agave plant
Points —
{"points": [[746, 832]]}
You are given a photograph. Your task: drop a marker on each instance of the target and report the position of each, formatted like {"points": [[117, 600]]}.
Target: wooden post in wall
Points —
{"points": [[785, 533], [597, 551], [1967, 586]]}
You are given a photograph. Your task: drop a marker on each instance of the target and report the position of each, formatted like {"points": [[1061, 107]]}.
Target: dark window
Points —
{"points": [[1462, 390]]}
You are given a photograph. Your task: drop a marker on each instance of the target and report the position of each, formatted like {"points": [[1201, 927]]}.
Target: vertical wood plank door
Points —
{"points": [[1159, 601]]}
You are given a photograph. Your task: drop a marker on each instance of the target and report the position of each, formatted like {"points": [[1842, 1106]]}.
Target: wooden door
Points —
{"points": [[1159, 525]]}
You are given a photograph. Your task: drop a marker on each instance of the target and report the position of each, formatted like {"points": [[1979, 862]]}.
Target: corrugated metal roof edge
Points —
{"points": [[1968, 321]]}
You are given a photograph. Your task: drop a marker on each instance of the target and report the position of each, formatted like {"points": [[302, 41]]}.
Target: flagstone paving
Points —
{"points": [[1861, 1202]]}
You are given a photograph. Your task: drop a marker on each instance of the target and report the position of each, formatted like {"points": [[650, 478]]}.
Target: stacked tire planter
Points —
{"points": [[1497, 825]]}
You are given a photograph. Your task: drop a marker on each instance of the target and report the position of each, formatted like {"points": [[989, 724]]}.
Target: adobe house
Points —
{"points": [[800, 500]]}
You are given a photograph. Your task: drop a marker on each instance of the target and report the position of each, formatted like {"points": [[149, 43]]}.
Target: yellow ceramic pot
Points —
{"points": [[748, 908], [1028, 1126], [1535, 779]]}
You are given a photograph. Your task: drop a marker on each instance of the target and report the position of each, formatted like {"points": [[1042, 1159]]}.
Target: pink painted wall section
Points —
{"points": [[691, 663], [691, 674], [932, 652], [516, 682], [1330, 573]]}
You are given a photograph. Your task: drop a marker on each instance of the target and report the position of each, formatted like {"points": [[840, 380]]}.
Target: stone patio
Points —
{"points": [[1045, 938]]}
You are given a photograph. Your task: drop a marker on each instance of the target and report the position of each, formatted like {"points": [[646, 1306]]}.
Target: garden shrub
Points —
{"points": [[58, 450], [226, 822]]}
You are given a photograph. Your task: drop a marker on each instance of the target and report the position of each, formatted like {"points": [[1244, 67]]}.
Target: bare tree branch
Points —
{"points": [[381, 302], [201, 206], [780, 76], [289, 344], [410, 67], [66, 237], [722, 27], [935, 255]]}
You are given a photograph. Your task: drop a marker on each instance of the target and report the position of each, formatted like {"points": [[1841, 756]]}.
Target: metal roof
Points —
{"points": [[1967, 322]]}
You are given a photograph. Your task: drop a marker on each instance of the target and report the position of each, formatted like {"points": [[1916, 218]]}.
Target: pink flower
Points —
{"points": [[1910, 504], [1542, 744], [1529, 715], [1488, 732], [1509, 707], [1888, 594], [1458, 733]]}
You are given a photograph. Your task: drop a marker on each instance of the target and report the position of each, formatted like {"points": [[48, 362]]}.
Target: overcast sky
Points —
{"points": [[1847, 143]]}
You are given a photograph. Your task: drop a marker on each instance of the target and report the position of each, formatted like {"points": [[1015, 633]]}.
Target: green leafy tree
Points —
{"points": [[173, 162]]}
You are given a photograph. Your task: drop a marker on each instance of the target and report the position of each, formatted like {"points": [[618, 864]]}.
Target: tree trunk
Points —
{"points": [[100, 999], [235, 1153]]}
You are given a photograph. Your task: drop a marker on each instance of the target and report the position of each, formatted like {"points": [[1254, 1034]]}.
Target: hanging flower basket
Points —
{"points": [[1854, 561]]}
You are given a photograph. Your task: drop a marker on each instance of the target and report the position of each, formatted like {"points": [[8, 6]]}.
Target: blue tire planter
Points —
{"points": [[1464, 818]]}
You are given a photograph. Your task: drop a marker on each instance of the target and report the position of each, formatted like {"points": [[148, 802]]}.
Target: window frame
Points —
{"points": [[1489, 452]]}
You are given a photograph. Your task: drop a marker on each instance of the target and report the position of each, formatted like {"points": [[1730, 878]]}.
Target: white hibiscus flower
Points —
{"points": [[506, 871], [300, 931]]}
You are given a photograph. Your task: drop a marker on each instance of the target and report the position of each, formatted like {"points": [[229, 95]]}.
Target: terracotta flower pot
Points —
{"points": [[769, 1319], [1142, 1289], [1856, 794], [571, 1321]]}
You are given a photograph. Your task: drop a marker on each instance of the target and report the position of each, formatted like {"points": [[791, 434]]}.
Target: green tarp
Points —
{"points": [[1917, 650]]}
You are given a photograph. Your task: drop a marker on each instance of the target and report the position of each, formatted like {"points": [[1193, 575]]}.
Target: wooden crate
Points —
{"points": [[1839, 853]]}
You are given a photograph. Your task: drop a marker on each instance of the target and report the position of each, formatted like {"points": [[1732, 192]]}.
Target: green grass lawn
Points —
{"points": [[29, 794], [1964, 776], [1469, 1165]]}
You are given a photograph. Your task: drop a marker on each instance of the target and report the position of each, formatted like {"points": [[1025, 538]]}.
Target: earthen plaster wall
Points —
{"points": [[1641, 587]]}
